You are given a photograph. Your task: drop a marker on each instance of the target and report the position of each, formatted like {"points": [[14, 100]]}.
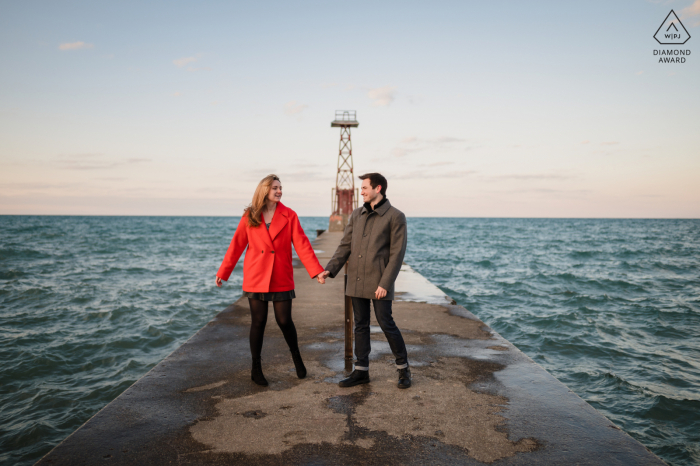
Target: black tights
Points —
{"points": [[283, 316]]}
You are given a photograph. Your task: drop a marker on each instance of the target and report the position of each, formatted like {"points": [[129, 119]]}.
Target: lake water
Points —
{"points": [[609, 307]]}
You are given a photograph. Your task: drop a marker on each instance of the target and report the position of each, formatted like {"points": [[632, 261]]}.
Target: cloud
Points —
{"points": [[293, 107], [640, 73], [414, 144], [75, 46], [421, 174], [306, 172], [200, 68], [382, 96], [691, 11], [177, 94], [532, 176], [549, 191], [94, 161], [585, 142], [437, 164], [180, 62], [609, 143]]}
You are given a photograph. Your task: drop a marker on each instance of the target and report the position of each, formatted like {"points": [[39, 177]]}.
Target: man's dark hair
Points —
{"points": [[376, 179]]}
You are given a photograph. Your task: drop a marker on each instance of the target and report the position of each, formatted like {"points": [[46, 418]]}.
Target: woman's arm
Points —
{"points": [[235, 249], [303, 248]]}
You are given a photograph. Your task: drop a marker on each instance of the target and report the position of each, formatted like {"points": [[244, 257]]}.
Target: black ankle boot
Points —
{"points": [[404, 377], [298, 364], [356, 378], [256, 373]]}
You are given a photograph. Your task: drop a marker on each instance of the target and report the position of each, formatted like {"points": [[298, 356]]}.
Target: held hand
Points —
{"points": [[380, 293], [218, 282], [321, 277]]}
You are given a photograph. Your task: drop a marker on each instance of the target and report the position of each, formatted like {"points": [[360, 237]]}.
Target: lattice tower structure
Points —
{"points": [[344, 196]]}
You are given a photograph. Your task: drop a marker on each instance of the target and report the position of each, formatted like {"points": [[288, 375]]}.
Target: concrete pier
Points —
{"points": [[476, 399]]}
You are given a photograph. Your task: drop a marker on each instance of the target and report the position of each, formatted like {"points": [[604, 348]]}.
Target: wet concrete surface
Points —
{"points": [[475, 399]]}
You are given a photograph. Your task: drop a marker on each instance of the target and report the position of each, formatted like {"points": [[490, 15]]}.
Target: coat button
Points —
{"points": [[272, 252], [262, 252], [360, 255], [358, 279]]}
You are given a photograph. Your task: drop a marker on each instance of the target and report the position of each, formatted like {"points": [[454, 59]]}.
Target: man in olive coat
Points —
{"points": [[373, 245]]}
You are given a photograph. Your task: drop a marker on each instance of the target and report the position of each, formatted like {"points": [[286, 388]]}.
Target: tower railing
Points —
{"points": [[345, 115]]}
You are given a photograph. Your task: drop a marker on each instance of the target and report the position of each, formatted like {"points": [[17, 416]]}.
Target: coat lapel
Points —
{"points": [[279, 220]]}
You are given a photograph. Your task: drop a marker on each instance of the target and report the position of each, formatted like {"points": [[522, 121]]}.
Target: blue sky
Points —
{"points": [[489, 109]]}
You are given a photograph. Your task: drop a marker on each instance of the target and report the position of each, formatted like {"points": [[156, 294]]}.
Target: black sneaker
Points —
{"points": [[404, 377], [356, 378]]}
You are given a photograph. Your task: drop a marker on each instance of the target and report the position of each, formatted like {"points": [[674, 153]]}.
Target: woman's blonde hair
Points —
{"points": [[254, 210]]}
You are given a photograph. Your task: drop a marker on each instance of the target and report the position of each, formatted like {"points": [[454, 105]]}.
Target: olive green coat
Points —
{"points": [[373, 245]]}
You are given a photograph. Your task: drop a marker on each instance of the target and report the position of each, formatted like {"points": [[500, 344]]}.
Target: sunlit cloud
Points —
{"points": [[692, 11], [180, 62], [382, 96], [412, 144], [293, 107], [532, 176], [177, 94], [421, 175], [75, 46], [94, 161], [609, 143], [438, 164]]}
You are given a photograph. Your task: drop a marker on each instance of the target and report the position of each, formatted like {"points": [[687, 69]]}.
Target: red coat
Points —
{"points": [[267, 266]]}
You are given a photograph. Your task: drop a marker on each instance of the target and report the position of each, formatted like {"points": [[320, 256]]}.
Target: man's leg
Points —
{"points": [[360, 308], [361, 373], [382, 310]]}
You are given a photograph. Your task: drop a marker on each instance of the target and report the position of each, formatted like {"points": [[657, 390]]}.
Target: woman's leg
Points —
{"points": [[258, 320], [283, 316]]}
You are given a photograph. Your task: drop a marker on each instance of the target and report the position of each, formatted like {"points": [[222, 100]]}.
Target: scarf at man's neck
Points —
{"points": [[369, 208]]}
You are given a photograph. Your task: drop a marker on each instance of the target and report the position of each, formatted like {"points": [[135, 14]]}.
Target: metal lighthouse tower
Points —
{"points": [[344, 196]]}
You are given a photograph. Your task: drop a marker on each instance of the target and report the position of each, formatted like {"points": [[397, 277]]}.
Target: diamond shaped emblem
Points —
{"points": [[672, 31]]}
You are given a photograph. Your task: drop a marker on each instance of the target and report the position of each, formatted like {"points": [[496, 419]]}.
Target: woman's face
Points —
{"points": [[275, 193]]}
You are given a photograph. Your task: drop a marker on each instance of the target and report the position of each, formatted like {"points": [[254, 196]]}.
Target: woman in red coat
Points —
{"points": [[269, 229]]}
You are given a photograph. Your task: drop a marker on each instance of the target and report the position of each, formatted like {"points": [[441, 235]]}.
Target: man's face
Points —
{"points": [[368, 193]]}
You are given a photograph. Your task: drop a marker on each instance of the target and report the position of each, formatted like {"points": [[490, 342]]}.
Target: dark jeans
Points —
{"points": [[382, 310]]}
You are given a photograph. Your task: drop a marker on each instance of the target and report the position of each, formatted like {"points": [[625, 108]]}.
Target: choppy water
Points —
{"points": [[610, 307]]}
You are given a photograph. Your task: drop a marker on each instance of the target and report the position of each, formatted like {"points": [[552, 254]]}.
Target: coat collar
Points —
{"points": [[279, 220], [381, 207]]}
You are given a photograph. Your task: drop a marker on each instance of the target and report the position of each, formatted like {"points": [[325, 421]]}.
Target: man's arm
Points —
{"points": [[397, 250], [342, 253]]}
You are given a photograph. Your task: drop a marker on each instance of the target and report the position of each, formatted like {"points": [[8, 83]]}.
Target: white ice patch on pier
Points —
{"points": [[412, 286]]}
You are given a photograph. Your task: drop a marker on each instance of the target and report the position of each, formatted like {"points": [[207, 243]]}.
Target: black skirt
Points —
{"points": [[273, 296]]}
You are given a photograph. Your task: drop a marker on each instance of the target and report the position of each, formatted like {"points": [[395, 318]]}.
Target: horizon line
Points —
{"points": [[323, 216]]}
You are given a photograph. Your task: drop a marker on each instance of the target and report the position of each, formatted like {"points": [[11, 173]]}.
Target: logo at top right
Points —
{"points": [[672, 31]]}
